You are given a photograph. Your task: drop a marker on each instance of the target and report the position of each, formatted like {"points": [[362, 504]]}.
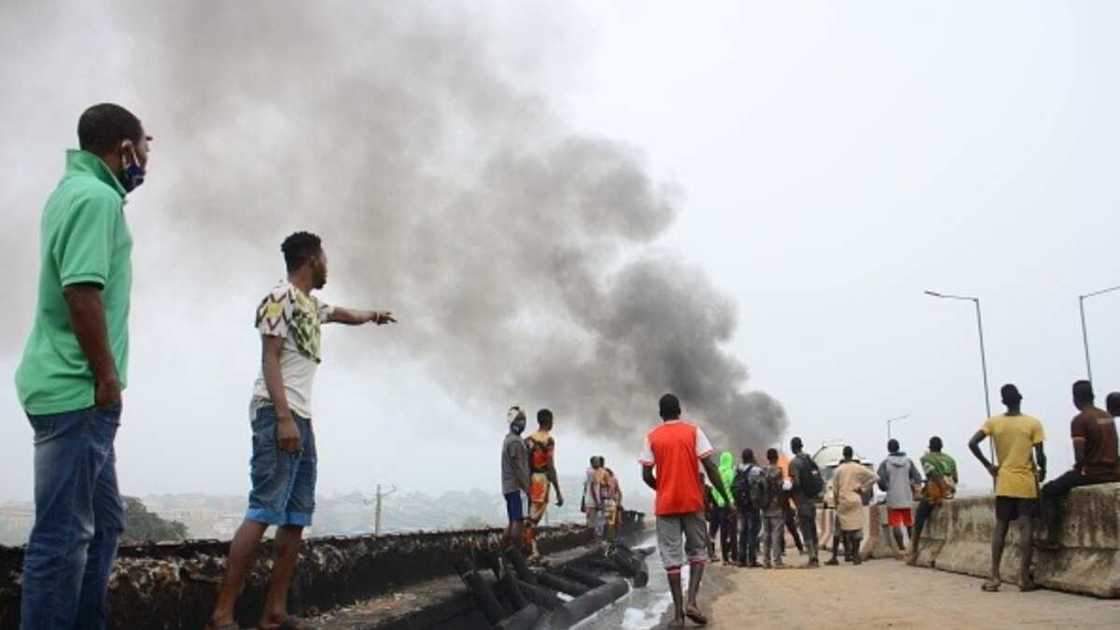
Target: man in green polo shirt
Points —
{"points": [[74, 367]]}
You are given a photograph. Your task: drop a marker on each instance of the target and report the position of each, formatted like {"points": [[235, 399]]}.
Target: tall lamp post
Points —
{"points": [[1084, 331], [983, 355], [892, 420]]}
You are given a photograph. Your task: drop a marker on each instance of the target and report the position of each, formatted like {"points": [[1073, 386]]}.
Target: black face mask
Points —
{"points": [[133, 174]]}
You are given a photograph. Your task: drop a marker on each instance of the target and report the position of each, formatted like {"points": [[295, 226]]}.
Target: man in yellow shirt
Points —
{"points": [[1017, 477]]}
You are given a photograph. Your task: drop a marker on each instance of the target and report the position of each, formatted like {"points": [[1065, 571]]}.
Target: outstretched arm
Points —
{"points": [[354, 317]]}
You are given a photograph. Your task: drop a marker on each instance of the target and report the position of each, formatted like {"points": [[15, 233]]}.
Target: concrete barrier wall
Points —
{"points": [[959, 534], [173, 586]]}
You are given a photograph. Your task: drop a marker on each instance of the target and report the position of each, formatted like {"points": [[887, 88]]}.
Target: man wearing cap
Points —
{"points": [[515, 474], [1017, 477]]}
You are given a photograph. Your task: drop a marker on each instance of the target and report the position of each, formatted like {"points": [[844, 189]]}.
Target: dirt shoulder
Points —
{"points": [[887, 593]]}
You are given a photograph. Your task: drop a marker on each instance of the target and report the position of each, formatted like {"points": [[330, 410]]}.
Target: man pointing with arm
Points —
{"points": [[285, 462]]}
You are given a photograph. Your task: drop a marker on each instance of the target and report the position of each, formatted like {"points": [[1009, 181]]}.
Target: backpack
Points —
{"points": [[809, 480], [771, 486], [759, 493], [740, 487]]}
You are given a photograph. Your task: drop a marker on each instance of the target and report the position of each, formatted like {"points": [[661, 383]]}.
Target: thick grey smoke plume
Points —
{"points": [[518, 254]]}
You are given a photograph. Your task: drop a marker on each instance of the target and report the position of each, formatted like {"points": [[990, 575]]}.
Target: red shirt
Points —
{"points": [[675, 449]]}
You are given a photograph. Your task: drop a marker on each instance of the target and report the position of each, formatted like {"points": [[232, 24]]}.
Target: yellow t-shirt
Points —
{"points": [[1014, 437]]}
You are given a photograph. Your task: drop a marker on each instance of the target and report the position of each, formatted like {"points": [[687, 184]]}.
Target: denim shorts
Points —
{"points": [[283, 483], [515, 507]]}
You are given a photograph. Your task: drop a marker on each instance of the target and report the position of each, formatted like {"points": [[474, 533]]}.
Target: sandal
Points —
{"points": [[990, 586], [1028, 586], [697, 617]]}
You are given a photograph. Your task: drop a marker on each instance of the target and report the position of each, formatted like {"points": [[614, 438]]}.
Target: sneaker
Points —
{"points": [[814, 563], [833, 562]]}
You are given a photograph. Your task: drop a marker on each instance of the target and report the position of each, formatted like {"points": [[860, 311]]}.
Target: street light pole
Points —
{"points": [[983, 359], [1085, 330], [902, 417], [983, 354]]}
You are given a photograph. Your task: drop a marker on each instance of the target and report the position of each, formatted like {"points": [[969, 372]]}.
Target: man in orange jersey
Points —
{"points": [[669, 461]]}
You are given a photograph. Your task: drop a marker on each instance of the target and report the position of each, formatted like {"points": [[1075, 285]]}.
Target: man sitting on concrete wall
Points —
{"points": [[1094, 455]]}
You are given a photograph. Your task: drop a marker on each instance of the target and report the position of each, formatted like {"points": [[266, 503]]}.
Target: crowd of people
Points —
{"points": [[747, 507], [75, 366]]}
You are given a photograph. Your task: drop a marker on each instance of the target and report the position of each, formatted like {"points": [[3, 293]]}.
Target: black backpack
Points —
{"points": [[809, 480], [758, 490], [740, 487]]}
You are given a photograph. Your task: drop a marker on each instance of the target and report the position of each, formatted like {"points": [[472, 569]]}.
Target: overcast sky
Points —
{"points": [[827, 164]]}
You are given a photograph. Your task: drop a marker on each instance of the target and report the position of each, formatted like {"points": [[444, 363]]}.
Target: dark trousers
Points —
{"points": [[715, 522], [750, 526], [729, 534], [1052, 494], [921, 516], [808, 525], [791, 525]]}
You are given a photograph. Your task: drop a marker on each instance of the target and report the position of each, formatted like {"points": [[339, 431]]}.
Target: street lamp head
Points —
{"points": [[933, 293]]}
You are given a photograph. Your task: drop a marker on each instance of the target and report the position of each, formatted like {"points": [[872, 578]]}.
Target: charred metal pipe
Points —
{"points": [[583, 577], [483, 594], [517, 559], [568, 587], [600, 563], [583, 606], [524, 619], [540, 596], [513, 590], [630, 564]]}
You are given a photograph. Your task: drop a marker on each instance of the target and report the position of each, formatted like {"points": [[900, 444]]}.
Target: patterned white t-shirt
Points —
{"points": [[296, 317]]}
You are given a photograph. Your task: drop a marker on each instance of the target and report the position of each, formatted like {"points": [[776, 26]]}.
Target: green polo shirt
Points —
{"points": [[83, 238]]}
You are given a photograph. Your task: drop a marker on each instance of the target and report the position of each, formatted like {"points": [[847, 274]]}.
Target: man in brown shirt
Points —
{"points": [[1094, 454]]}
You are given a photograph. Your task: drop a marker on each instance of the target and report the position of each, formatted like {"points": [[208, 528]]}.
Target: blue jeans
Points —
{"points": [[283, 492], [79, 518], [749, 530]]}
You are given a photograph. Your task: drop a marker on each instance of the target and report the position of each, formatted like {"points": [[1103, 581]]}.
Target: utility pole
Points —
{"points": [[377, 509]]}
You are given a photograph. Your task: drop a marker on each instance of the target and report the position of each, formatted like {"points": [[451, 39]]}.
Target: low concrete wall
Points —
{"points": [[959, 534], [173, 586]]}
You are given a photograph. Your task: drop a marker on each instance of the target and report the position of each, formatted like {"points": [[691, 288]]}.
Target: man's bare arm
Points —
{"points": [[287, 433], [1078, 453], [647, 476], [355, 317], [712, 469], [553, 478], [974, 446], [1040, 459], [87, 319]]}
